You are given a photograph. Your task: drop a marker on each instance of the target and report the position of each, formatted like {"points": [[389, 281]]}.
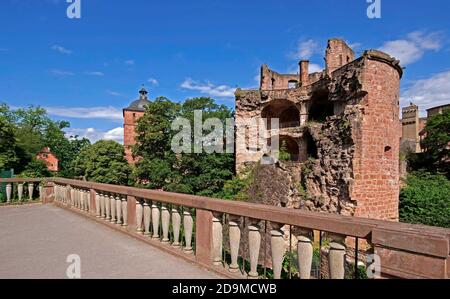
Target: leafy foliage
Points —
{"points": [[25, 132], [159, 167], [36, 169], [426, 200], [103, 162], [284, 155], [437, 143]]}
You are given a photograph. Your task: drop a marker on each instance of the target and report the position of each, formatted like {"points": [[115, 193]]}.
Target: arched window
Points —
{"points": [[287, 113]]}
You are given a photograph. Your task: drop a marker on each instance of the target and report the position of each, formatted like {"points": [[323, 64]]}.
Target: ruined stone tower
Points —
{"points": [[340, 126], [131, 115]]}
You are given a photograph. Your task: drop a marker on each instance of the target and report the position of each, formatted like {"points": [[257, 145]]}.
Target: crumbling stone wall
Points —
{"points": [[355, 170]]}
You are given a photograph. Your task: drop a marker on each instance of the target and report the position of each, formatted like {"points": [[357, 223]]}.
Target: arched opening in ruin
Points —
{"points": [[311, 147], [292, 84], [287, 113], [290, 146], [320, 107]]}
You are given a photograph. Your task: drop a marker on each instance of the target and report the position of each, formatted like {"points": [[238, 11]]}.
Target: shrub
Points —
{"points": [[426, 200]]}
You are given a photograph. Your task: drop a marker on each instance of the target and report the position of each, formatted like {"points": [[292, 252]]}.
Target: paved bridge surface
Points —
{"points": [[35, 241]]}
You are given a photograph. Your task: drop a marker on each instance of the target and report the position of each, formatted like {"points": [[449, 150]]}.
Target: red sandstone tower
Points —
{"points": [[131, 115]]}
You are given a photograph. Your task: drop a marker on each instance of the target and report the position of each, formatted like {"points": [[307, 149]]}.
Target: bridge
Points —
{"points": [[127, 232]]}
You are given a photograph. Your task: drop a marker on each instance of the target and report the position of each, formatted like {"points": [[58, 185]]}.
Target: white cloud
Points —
{"points": [[110, 113], [294, 69], [313, 68], [61, 73], [413, 47], [114, 93], [61, 50], [153, 81], [95, 135], [355, 46], [129, 62], [115, 134], [208, 88], [305, 50], [95, 73], [428, 93]]}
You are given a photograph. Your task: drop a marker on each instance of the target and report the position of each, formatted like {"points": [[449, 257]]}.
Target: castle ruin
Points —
{"points": [[341, 128]]}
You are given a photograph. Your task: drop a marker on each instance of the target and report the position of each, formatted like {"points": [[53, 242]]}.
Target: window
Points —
{"points": [[292, 84]]}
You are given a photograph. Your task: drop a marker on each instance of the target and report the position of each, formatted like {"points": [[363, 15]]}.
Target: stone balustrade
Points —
{"points": [[22, 190], [257, 241]]}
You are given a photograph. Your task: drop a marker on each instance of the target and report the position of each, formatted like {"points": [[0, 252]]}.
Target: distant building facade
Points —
{"points": [[413, 126], [49, 158], [131, 115]]}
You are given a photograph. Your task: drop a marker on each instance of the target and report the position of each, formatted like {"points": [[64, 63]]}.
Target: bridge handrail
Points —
{"points": [[408, 239]]}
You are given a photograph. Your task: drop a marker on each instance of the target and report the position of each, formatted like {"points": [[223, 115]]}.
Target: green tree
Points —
{"points": [[155, 167], [27, 131], [103, 162], [159, 167], [425, 199], [36, 169], [437, 143], [8, 148]]}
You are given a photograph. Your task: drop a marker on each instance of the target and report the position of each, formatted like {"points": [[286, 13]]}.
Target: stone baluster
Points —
{"points": [[112, 199], [102, 205], [77, 198], [165, 222], [139, 216], [254, 240], [305, 254], [155, 219], [147, 218], [176, 223], [118, 210], [235, 240], [336, 256], [217, 239], [20, 191], [125, 211], [188, 223], [8, 192], [97, 205], [88, 200], [41, 192], [72, 197], [82, 203], [278, 249], [30, 191], [107, 208]]}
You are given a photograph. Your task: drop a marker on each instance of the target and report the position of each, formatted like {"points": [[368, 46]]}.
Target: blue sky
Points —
{"points": [[86, 70]]}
